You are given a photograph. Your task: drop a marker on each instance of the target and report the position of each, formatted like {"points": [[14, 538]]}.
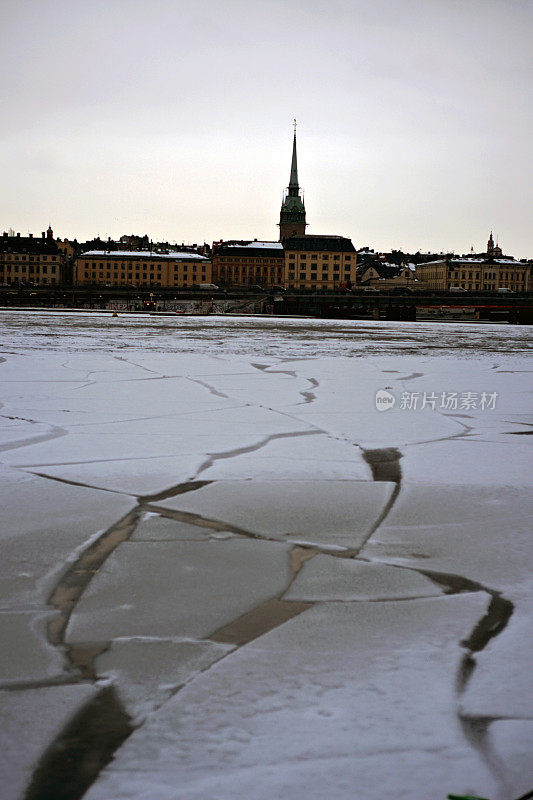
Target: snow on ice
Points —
{"points": [[215, 547]]}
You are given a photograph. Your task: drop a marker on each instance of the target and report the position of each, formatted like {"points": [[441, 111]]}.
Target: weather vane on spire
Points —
{"points": [[294, 125]]}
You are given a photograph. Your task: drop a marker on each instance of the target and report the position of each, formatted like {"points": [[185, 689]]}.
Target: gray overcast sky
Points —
{"points": [[174, 118]]}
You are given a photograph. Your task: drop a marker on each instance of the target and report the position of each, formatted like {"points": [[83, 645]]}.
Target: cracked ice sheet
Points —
{"points": [[512, 743], [27, 656], [189, 434], [334, 699], [502, 683], [16, 433], [147, 672], [319, 457], [470, 461], [339, 513], [153, 528], [372, 429], [352, 413], [104, 394], [135, 476], [172, 440], [268, 389], [30, 721], [326, 578], [43, 522], [480, 532], [34, 368], [178, 588]]}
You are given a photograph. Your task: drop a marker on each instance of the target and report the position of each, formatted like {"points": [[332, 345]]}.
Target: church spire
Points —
{"points": [[293, 182], [292, 216]]}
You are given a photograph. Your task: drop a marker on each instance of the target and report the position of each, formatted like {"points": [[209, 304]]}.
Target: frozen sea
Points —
{"points": [[229, 574]]}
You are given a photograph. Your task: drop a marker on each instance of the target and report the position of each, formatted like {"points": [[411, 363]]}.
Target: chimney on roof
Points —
{"points": [[31, 235], [18, 235], [43, 235]]}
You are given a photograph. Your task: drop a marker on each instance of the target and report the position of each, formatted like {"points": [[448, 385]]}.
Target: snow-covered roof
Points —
{"points": [[268, 245], [173, 254], [467, 260], [484, 261]]}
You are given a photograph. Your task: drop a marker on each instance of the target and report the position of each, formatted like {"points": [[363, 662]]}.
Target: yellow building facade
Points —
{"points": [[30, 260], [475, 274], [141, 268], [244, 263], [319, 262]]}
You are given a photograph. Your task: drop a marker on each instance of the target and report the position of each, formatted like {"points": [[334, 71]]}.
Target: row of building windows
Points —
{"points": [[325, 275], [15, 280], [224, 259], [7, 256], [314, 257], [31, 268]]}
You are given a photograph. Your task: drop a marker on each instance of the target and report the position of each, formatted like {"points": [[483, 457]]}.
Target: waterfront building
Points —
{"points": [[477, 273], [319, 262], [31, 260], [248, 263], [141, 268]]}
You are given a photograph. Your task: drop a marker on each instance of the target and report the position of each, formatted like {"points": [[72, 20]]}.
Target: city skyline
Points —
{"points": [[413, 120]]}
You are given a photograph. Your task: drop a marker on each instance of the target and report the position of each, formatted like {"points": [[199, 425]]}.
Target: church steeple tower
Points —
{"points": [[292, 215]]}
